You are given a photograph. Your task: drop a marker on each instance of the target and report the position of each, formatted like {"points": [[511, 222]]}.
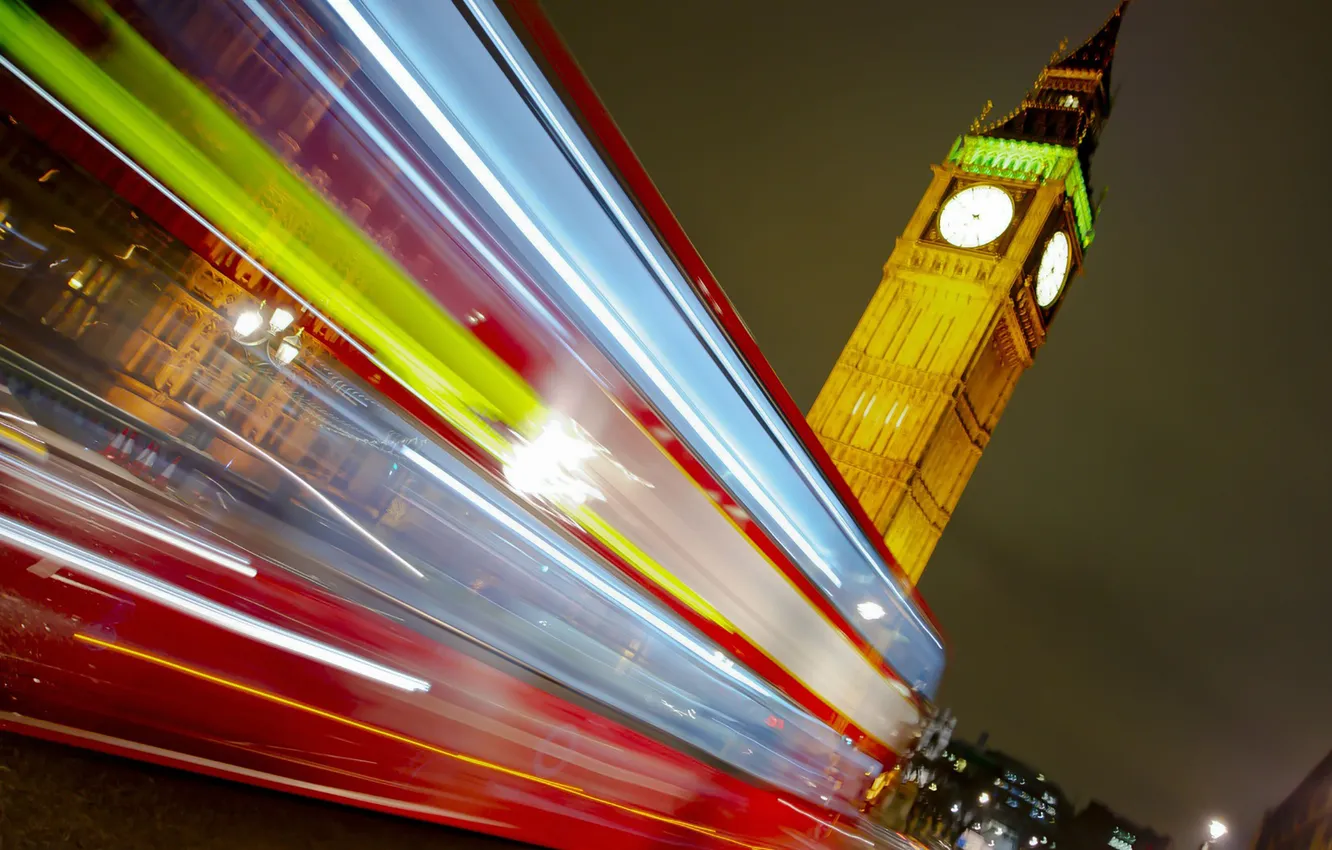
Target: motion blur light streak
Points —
{"points": [[552, 466], [91, 564], [606, 533], [139, 523], [675, 351], [823, 822], [209, 180], [334, 91], [305, 485], [884, 729], [310, 709], [685, 300], [212, 229], [484, 537], [404, 739], [713, 657], [604, 313], [120, 746]]}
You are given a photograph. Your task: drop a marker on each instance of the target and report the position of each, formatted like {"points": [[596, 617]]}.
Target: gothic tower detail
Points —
{"points": [[967, 296]]}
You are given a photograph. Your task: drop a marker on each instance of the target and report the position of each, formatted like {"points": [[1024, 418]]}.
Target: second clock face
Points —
{"points": [[1053, 271], [976, 216]]}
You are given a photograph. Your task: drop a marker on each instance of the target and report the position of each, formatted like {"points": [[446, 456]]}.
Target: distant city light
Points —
{"points": [[957, 807], [984, 797]]}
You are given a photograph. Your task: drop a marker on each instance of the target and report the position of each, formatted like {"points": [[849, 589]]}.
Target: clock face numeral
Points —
{"points": [[1053, 270], [976, 216]]}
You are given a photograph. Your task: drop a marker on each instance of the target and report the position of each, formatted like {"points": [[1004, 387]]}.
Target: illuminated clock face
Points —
{"points": [[976, 216], [1053, 272]]}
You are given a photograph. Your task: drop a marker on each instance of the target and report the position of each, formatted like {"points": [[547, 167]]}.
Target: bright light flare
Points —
{"points": [[1217, 830], [984, 797], [248, 322], [554, 465], [164, 593], [870, 610]]}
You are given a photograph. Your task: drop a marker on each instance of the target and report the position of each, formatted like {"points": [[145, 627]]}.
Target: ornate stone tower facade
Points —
{"points": [[965, 302]]}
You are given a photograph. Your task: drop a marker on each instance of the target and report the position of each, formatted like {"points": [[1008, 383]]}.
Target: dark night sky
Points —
{"points": [[1136, 586]]}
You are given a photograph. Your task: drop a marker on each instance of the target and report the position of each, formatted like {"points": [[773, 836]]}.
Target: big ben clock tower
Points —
{"points": [[967, 297]]}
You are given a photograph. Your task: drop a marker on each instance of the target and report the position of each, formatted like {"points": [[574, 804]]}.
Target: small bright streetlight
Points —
{"points": [[247, 323], [248, 330], [1216, 830], [280, 320], [984, 797]]}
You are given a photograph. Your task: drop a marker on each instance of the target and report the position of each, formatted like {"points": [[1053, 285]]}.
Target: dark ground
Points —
{"points": [[54, 797]]}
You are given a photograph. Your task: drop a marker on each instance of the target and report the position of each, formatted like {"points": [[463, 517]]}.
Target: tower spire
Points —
{"points": [[1097, 53], [1071, 99]]}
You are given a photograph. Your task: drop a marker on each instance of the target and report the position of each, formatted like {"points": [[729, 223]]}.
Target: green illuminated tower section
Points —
{"points": [[966, 299]]}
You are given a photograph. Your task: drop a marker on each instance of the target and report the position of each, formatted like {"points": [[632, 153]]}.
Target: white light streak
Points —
{"points": [[776, 426], [587, 576], [404, 165], [141, 584], [305, 485], [862, 839], [440, 122], [133, 520]]}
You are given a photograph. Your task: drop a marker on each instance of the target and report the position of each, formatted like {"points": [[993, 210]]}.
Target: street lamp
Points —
{"points": [[984, 797], [1216, 830], [250, 331]]}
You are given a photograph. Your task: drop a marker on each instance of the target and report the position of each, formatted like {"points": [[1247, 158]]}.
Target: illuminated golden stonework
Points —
{"points": [[919, 388]]}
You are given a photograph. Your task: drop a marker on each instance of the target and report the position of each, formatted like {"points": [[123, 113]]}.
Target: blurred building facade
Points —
{"points": [[108, 280], [975, 793], [1098, 827], [1303, 821], [965, 301]]}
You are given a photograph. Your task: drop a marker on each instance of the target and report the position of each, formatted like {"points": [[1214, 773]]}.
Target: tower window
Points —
{"points": [[1070, 100]]}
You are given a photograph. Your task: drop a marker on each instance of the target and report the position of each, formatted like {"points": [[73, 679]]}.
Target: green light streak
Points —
{"points": [[175, 131], [179, 134], [1033, 162]]}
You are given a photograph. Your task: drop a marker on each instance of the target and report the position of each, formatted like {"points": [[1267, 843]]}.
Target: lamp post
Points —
{"points": [[252, 331]]}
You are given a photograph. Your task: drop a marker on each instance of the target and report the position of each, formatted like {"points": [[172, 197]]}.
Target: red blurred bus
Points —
{"points": [[370, 431]]}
